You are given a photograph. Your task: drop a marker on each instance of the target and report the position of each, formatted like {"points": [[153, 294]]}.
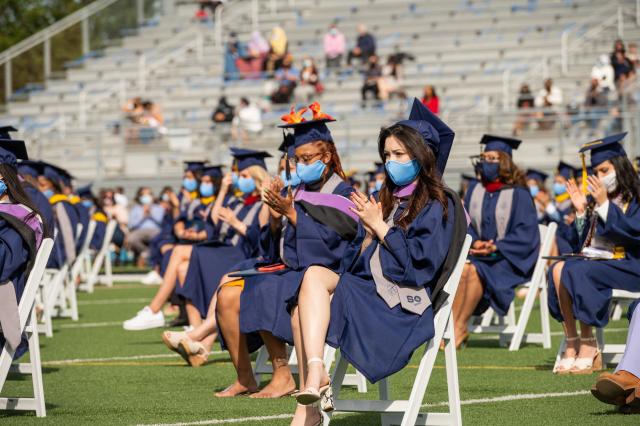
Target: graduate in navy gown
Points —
{"points": [[608, 225], [83, 213], [192, 226], [21, 232], [506, 239], [97, 214], [238, 237], [404, 236], [28, 171], [66, 216]]}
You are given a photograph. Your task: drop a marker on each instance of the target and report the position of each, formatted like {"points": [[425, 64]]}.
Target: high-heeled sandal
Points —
{"points": [[320, 421], [565, 365], [196, 353], [312, 395], [588, 365], [172, 339]]}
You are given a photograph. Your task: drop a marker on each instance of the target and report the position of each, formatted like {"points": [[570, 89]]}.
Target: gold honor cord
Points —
{"points": [[584, 173]]}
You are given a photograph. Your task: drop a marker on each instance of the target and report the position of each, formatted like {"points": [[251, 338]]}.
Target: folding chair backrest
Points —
{"points": [[108, 234], [452, 284], [79, 229], [547, 236], [91, 229], [33, 281]]}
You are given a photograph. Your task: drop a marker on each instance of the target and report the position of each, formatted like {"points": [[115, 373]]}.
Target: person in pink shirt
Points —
{"points": [[334, 47]]}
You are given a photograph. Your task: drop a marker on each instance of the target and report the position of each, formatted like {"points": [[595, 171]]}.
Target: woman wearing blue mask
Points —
{"points": [[96, 213], [506, 240], [145, 223], [67, 220], [404, 239], [608, 226]]}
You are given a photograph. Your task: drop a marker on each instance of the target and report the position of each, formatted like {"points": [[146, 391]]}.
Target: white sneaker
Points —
{"points": [[152, 278], [144, 320]]}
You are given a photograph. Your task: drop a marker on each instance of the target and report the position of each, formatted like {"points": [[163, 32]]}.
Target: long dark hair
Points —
{"points": [[627, 177], [429, 182], [509, 172], [335, 165], [17, 194]]}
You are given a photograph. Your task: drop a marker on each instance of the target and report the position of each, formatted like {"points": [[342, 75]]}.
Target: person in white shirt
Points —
{"points": [[247, 122], [603, 72], [549, 98]]}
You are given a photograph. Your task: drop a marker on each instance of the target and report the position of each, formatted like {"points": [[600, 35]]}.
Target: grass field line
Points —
{"points": [[503, 398], [113, 301], [117, 358]]}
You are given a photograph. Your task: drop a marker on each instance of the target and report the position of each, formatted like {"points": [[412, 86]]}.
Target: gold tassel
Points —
{"points": [[584, 173]]}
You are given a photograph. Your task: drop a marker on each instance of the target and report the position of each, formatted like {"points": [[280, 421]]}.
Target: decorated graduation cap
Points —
{"points": [[85, 191], [194, 166], [307, 131], [12, 150], [213, 171], [500, 143], [435, 133], [601, 150], [248, 157], [536, 174], [567, 171], [5, 130]]}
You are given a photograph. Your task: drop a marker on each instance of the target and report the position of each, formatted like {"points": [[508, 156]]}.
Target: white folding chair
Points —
{"points": [[102, 258], [79, 265], [26, 310], [49, 297], [512, 330], [407, 412]]}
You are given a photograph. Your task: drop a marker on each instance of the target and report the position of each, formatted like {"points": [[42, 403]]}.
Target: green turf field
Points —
{"points": [[97, 373]]}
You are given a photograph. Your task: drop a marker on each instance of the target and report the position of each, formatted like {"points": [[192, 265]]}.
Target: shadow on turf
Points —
{"points": [[17, 414]]}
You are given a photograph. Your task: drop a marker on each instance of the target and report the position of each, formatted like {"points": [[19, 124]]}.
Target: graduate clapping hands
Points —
{"points": [[370, 213], [279, 205]]}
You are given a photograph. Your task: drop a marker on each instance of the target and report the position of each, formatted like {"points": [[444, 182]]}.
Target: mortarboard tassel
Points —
{"points": [[584, 173]]}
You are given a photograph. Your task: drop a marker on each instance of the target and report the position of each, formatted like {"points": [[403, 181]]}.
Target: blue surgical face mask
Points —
{"points": [[310, 173], [3, 187], [534, 190], [206, 189], [402, 173], [378, 186], [490, 171], [146, 199], [559, 188], [234, 179], [87, 203], [48, 193], [294, 181], [189, 184], [165, 197], [246, 185]]}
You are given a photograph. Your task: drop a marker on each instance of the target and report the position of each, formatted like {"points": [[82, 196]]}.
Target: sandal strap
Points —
{"points": [[315, 359], [572, 339]]}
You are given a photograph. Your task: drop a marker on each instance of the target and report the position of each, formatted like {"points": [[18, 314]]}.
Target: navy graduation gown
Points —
{"points": [[376, 339], [84, 217], [517, 252], [58, 255], [211, 260], [43, 205], [264, 300], [590, 282]]}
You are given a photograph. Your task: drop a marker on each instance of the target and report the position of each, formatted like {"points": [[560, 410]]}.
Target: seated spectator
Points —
{"points": [[595, 103], [430, 99], [145, 222], [603, 72], [286, 79], [278, 50], [397, 58], [622, 65], [257, 52], [392, 77], [633, 56], [247, 122], [365, 46], [622, 388], [133, 109], [372, 76], [524, 103], [223, 112], [549, 98], [334, 48], [309, 84], [234, 51], [203, 5]]}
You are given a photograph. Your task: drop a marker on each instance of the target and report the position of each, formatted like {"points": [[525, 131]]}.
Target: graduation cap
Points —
{"points": [[5, 130], [193, 166], [567, 171], [248, 157], [213, 171], [29, 168], [12, 150], [500, 143], [288, 144], [307, 131], [604, 149], [379, 167], [537, 175], [55, 173], [85, 191], [436, 134]]}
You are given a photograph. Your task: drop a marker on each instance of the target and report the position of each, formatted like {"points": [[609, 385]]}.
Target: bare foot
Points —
{"points": [[306, 416], [281, 384], [237, 389]]}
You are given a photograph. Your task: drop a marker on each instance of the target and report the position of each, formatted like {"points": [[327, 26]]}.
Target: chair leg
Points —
{"points": [[453, 387], [544, 318], [72, 300], [36, 367], [383, 389], [107, 270]]}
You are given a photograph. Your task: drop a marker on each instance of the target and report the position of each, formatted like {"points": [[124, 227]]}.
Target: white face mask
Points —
{"points": [[610, 182]]}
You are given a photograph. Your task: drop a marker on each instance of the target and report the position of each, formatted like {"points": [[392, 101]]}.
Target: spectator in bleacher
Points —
{"points": [[365, 46], [633, 56], [247, 122], [212, 5], [286, 79], [145, 221], [257, 52], [309, 84], [430, 99], [133, 110], [372, 75], [234, 51], [224, 111], [397, 58], [549, 99], [335, 45], [391, 83], [278, 49], [525, 102], [603, 72], [595, 103]]}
